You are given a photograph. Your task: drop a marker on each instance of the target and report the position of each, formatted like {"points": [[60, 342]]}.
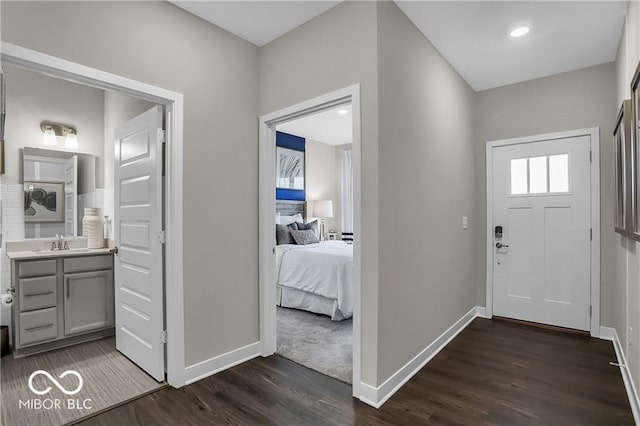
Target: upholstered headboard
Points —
{"points": [[289, 208]]}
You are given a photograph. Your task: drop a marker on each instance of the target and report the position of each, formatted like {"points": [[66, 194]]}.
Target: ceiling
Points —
{"points": [[328, 127], [472, 35], [258, 22]]}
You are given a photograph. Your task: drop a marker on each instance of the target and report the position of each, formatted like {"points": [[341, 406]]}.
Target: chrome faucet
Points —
{"points": [[59, 243]]}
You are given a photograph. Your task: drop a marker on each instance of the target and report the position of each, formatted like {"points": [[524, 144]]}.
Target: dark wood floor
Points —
{"points": [[493, 373]]}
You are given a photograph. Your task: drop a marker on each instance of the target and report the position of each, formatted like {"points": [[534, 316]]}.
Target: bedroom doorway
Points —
{"points": [[314, 241], [310, 254]]}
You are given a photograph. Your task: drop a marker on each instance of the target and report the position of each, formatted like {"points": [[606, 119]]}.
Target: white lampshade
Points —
{"points": [[71, 141], [49, 137], [322, 208]]}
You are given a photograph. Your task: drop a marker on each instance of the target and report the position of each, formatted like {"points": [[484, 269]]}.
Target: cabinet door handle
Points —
{"points": [[68, 289], [39, 294], [37, 327]]}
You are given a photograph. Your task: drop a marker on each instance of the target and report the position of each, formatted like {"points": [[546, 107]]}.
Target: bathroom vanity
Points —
{"points": [[61, 298]]}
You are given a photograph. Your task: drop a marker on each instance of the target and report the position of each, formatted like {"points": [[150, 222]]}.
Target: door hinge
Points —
{"points": [[590, 311], [162, 237], [591, 234], [591, 156], [163, 336], [161, 136]]}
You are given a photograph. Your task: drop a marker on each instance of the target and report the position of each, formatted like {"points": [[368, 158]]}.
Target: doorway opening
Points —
{"points": [[314, 241], [121, 128], [543, 229], [310, 255]]}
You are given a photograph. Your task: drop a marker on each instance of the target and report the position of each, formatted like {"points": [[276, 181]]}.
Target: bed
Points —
{"points": [[313, 277], [316, 278]]}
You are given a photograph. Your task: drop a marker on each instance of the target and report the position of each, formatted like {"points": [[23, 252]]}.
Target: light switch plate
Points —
{"points": [[465, 222]]}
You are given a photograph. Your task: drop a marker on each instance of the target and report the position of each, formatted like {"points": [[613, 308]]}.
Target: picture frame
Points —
{"points": [[623, 169], [43, 201], [290, 169], [635, 156]]}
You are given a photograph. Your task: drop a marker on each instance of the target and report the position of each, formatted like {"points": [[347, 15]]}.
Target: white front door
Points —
{"points": [[542, 260], [71, 196], [138, 230]]}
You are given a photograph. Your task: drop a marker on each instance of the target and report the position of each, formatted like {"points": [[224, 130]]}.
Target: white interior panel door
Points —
{"points": [[71, 196], [139, 294], [542, 262]]}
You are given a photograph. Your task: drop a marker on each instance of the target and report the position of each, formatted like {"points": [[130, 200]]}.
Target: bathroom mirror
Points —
{"points": [[57, 187]]}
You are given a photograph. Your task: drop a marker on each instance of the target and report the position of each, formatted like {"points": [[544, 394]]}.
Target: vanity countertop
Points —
{"points": [[45, 254]]}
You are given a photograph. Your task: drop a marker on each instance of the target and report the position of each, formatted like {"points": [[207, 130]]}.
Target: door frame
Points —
{"points": [[594, 135], [174, 111], [267, 208]]}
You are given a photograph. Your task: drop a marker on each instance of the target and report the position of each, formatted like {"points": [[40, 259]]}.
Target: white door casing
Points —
{"points": [[544, 273], [71, 196], [138, 227]]}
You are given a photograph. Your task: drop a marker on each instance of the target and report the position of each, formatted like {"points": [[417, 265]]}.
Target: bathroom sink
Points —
{"points": [[73, 250]]}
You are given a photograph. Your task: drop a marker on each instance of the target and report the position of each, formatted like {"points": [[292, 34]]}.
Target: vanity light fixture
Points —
{"points": [[71, 141], [49, 137], [519, 32], [53, 130]]}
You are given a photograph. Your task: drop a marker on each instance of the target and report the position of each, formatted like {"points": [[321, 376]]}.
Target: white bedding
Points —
{"points": [[324, 269]]}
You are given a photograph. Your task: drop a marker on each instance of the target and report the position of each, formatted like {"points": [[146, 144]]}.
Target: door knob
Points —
{"points": [[500, 245]]}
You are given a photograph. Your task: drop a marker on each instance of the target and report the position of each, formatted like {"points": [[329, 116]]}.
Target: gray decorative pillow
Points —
{"points": [[307, 236], [311, 225], [283, 234]]}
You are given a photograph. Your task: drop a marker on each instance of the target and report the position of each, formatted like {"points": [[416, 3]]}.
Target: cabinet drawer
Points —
{"points": [[37, 293], [88, 263], [35, 268], [38, 326]]}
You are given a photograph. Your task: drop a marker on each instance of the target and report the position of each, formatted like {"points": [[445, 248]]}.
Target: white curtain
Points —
{"points": [[346, 191]]}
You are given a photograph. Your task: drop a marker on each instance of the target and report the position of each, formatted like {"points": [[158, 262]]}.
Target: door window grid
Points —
{"points": [[548, 174]]}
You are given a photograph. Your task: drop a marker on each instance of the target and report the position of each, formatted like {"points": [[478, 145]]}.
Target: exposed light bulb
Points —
{"points": [[71, 141], [49, 137], [519, 32]]}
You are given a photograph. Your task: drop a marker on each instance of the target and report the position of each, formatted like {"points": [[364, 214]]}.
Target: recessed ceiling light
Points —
{"points": [[519, 32], [343, 111]]}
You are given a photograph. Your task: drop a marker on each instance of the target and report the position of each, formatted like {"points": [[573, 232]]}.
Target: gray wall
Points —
{"points": [[627, 253], [159, 44], [572, 100], [335, 50], [426, 147], [320, 177]]}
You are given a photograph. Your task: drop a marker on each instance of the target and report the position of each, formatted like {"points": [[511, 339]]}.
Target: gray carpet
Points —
{"points": [[316, 342]]}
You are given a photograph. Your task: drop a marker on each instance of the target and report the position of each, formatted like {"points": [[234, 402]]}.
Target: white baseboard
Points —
{"points": [[376, 396], [608, 333], [214, 365], [481, 312]]}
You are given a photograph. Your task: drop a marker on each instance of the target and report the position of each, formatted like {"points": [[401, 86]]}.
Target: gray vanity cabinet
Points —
{"points": [[62, 301], [88, 302]]}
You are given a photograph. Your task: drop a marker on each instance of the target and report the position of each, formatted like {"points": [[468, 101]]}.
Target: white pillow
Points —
{"points": [[286, 220]]}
